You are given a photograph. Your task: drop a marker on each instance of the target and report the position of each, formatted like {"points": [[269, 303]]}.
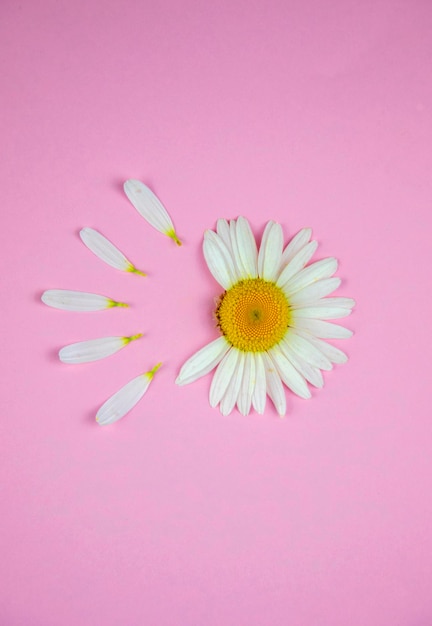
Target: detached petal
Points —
{"points": [[106, 251], [150, 207], [94, 349], [125, 399], [78, 300], [203, 361]]}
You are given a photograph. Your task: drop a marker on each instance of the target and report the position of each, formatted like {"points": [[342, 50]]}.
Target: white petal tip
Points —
{"points": [[225, 413], [132, 183]]}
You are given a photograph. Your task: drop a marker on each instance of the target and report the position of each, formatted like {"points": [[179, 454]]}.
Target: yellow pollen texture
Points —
{"points": [[253, 315]]}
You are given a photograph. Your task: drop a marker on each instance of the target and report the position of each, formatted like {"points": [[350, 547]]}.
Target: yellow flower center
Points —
{"points": [[253, 315]]}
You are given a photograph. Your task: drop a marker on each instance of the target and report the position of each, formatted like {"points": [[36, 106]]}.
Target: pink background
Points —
{"points": [[309, 113]]}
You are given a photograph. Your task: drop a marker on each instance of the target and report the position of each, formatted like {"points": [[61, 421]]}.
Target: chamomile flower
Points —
{"points": [[90, 350], [272, 316]]}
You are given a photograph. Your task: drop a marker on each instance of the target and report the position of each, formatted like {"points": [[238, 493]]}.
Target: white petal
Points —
{"points": [[289, 375], [203, 361], [150, 207], [223, 230], [219, 260], [259, 395], [241, 272], [304, 348], [295, 245], [270, 252], [222, 376], [94, 349], [297, 263], [336, 302], [78, 300], [275, 389], [229, 399], [247, 387], [247, 247], [106, 251], [333, 354], [324, 330], [310, 373], [312, 292], [125, 399], [320, 312], [316, 271]]}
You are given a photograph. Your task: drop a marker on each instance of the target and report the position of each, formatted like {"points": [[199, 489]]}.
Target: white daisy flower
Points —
{"points": [[151, 208], [272, 317]]}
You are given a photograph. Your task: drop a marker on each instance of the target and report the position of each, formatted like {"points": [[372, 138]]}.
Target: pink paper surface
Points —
{"points": [[308, 113]]}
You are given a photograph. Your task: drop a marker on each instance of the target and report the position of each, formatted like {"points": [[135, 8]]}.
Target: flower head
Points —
{"points": [[272, 318]]}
